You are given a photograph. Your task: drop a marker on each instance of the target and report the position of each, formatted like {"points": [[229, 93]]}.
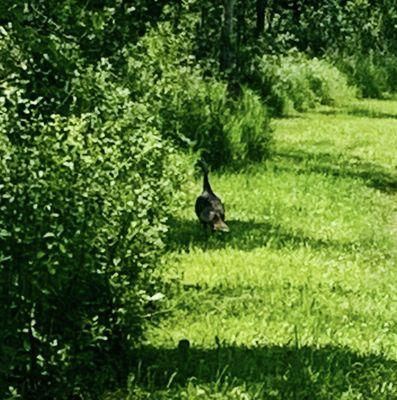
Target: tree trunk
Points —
{"points": [[260, 17], [241, 35], [227, 42]]}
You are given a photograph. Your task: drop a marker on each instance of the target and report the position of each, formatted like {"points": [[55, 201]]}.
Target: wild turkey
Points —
{"points": [[209, 208]]}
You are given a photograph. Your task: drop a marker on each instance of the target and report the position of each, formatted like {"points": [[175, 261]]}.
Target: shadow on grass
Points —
{"points": [[359, 112], [245, 235], [326, 163], [283, 371]]}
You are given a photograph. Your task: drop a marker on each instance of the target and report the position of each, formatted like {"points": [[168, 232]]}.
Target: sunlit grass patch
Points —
{"points": [[359, 138]]}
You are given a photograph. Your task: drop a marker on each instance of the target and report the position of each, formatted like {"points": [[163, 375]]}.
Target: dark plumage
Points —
{"points": [[209, 208]]}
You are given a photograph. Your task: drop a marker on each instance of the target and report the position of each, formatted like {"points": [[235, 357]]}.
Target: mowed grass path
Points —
{"points": [[299, 300]]}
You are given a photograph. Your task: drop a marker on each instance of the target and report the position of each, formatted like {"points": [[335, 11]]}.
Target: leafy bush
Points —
{"points": [[224, 130], [83, 206], [195, 111], [374, 73], [294, 82]]}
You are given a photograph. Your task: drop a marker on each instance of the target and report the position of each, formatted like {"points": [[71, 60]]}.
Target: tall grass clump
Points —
{"points": [[374, 73], [248, 126], [196, 111], [297, 83], [84, 200]]}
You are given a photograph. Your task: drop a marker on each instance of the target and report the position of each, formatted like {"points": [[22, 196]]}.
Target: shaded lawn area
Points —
{"points": [[286, 372]]}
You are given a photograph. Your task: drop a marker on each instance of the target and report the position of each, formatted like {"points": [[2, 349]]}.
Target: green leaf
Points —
{"points": [[48, 234], [40, 254]]}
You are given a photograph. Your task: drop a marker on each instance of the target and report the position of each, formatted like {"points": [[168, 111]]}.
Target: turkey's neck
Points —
{"points": [[206, 184]]}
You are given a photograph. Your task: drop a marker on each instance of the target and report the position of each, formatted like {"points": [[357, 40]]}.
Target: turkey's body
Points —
{"points": [[209, 208]]}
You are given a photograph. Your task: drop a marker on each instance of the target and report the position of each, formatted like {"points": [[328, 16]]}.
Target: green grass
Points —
{"points": [[299, 300]]}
